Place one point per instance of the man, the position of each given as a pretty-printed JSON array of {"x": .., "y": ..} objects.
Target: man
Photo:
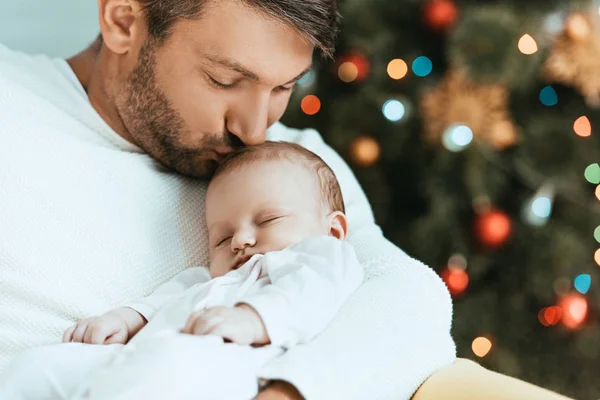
[{"x": 99, "y": 203}]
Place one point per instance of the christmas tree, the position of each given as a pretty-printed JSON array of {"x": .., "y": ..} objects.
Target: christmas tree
[{"x": 474, "y": 129}]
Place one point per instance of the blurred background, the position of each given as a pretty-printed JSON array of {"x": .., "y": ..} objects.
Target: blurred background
[{"x": 474, "y": 128}]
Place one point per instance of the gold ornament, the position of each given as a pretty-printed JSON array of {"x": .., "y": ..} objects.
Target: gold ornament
[
  {"x": 575, "y": 57},
  {"x": 483, "y": 107}
]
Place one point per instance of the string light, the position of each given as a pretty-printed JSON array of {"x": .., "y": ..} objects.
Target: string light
[
  {"x": 481, "y": 346},
  {"x": 308, "y": 79},
  {"x": 550, "y": 316},
  {"x": 582, "y": 126},
  {"x": 527, "y": 45},
  {"x": 592, "y": 174},
  {"x": 548, "y": 96},
  {"x": 456, "y": 279},
  {"x": 562, "y": 286},
  {"x": 310, "y": 104},
  {"x": 575, "y": 308},
  {"x": 538, "y": 209},
  {"x": 422, "y": 66},
  {"x": 365, "y": 151},
  {"x": 582, "y": 283},
  {"x": 348, "y": 71},
  {"x": 397, "y": 69},
  {"x": 394, "y": 110},
  {"x": 457, "y": 137}
]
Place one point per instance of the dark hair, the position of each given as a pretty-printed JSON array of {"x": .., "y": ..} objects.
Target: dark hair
[
  {"x": 318, "y": 20},
  {"x": 328, "y": 184}
]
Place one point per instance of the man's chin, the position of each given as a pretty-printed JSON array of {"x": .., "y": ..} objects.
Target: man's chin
[{"x": 198, "y": 169}]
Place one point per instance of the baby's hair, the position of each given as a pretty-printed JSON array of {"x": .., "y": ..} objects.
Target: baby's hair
[{"x": 331, "y": 192}]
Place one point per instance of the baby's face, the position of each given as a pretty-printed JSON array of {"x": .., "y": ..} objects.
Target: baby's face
[{"x": 264, "y": 206}]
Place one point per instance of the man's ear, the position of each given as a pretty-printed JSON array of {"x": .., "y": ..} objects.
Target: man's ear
[
  {"x": 121, "y": 21},
  {"x": 338, "y": 225}
]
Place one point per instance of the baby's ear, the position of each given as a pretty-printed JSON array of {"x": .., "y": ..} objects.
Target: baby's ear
[{"x": 338, "y": 225}]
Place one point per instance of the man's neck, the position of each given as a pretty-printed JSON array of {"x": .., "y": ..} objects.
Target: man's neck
[{"x": 89, "y": 69}]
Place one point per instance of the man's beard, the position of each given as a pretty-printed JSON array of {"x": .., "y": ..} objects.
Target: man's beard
[{"x": 156, "y": 126}]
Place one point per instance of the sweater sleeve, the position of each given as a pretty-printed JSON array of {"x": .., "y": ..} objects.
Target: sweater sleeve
[
  {"x": 309, "y": 283},
  {"x": 148, "y": 306},
  {"x": 393, "y": 332}
]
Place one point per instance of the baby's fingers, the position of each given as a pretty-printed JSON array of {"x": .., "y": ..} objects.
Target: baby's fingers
[
  {"x": 79, "y": 333},
  {"x": 68, "y": 335}
]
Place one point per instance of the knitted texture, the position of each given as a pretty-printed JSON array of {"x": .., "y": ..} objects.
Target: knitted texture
[{"x": 88, "y": 223}]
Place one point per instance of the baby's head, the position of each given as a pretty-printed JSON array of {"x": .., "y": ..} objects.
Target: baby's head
[{"x": 268, "y": 197}]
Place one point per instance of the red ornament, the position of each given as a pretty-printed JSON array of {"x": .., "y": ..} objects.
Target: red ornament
[
  {"x": 575, "y": 309},
  {"x": 456, "y": 279},
  {"x": 439, "y": 15},
  {"x": 492, "y": 228}
]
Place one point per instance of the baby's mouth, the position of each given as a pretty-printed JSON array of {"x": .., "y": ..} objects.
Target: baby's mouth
[{"x": 242, "y": 261}]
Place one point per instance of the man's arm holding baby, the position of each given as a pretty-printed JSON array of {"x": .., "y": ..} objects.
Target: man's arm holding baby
[
  {"x": 393, "y": 332},
  {"x": 121, "y": 324}
]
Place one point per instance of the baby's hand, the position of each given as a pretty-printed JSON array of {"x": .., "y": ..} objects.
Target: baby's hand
[
  {"x": 115, "y": 326},
  {"x": 240, "y": 324}
]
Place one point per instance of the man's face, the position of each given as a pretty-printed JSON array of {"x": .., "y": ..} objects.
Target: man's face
[{"x": 215, "y": 83}]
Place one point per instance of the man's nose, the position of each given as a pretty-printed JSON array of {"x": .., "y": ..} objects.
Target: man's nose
[
  {"x": 243, "y": 239},
  {"x": 250, "y": 119}
]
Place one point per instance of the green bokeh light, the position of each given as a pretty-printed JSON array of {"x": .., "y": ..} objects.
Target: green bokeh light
[{"x": 592, "y": 174}]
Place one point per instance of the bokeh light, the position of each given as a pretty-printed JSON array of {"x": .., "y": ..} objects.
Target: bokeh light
[
  {"x": 457, "y": 261},
  {"x": 582, "y": 126},
  {"x": 562, "y": 286},
  {"x": 597, "y": 256},
  {"x": 348, "y": 71},
  {"x": 365, "y": 151},
  {"x": 550, "y": 316},
  {"x": 310, "y": 104},
  {"x": 457, "y": 137},
  {"x": 542, "y": 207},
  {"x": 598, "y": 192},
  {"x": 422, "y": 66},
  {"x": 597, "y": 234},
  {"x": 481, "y": 346},
  {"x": 527, "y": 45},
  {"x": 397, "y": 69},
  {"x": 577, "y": 27},
  {"x": 548, "y": 96},
  {"x": 582, "y": 283},
  {"x": 592, "y": 174},
  {"x": 456, "y": 279},
  {"x": 575, "y": 308},
  {"x": 307, "y": 79},
  {"x": 394, "y": 110}
]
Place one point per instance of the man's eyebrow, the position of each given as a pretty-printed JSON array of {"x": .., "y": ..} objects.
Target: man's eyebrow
[
  {"x": 245, "y": 71},
  {"x": 232, "y": 65}
]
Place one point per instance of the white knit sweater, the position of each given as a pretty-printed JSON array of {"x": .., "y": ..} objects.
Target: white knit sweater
[{"x": 88, "y": 222}]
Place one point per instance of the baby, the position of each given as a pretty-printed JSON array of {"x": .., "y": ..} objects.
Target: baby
[{"x": 280, "y": 269}]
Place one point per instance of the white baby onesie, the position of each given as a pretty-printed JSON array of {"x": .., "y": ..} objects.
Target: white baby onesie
[{"x": 296, "y": 291}]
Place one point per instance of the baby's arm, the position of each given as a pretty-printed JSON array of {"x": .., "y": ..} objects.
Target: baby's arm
[
  {"x": 121, "y": 324},
  {"x": 310, "y": 281}
]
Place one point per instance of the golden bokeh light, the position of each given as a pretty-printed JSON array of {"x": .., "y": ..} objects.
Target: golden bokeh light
[
  {"x": 481, "y": 346},
  {"x": 348, "y": 72},
  {"x": 597, "y": 257},
  {"x": 365, "y": 151},
  {"x": 527, "y": 45},
  {"x": 582, "y": 126},
  {"x": 397, "y": 69}
]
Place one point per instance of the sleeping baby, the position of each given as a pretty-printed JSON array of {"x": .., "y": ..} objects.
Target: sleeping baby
[{"x": 279, "y": 271}]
